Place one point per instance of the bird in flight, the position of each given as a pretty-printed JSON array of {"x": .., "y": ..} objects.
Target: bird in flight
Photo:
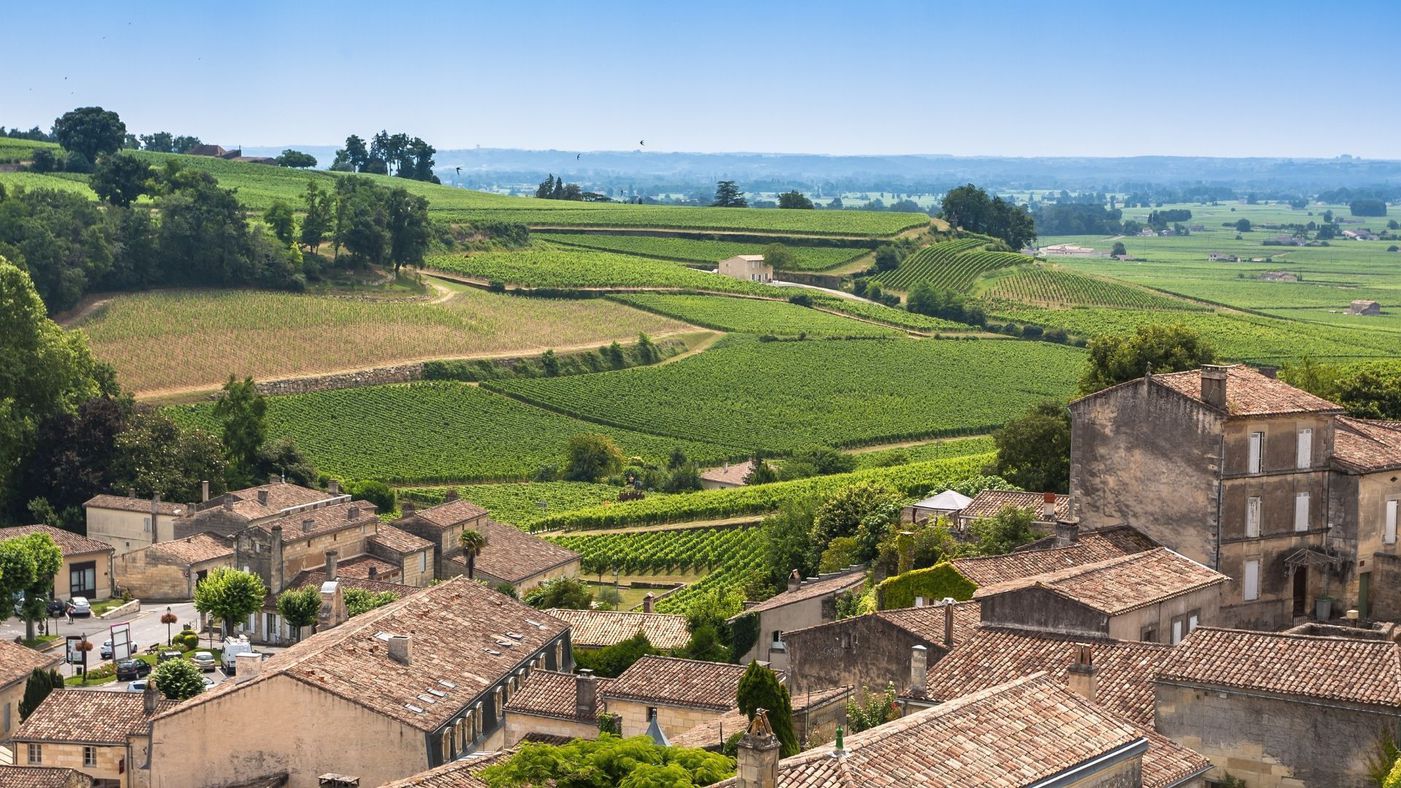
[
  {"x": 642, "y": 143},
  {"x": 577, "y": 155}
]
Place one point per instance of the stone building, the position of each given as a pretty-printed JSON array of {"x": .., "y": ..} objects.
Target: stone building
[
  {"x": 235, "y": 510},
  {"x": 1364, "y": 307},
  {"x": 171, "y": 570},
  {"x": 1154, "y": 596},
  {"x": 816, "y": 715},
  {"x": 1364, "y": 497},
  {"x": 1071, "y": 547},
  {"x": 747, "y": 267},
  {"x": 678, "y": 694},
  {"x": 86, "y": 570},
  {"x": 556, "y": 704},
  {"x": 1279, "y": 709},
  {"x": 128, "y": 523},
  {"x": 388, "y": 694},
  {"x": 805, "y": 603},
  {"x": 104, "y": 735},
  {"x": 515, "y": 558},
  {"x": 1225, "y": 465},
  {"x": 16, "y": 663},
  {"x": 1046, "y": 508},
  {"x": 443, "y": 526},
  {"x": 271, "y": 628}
]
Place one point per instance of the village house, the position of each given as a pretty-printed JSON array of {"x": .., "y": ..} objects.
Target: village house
[
  {"x": 727, "y": 476},
  {"x": 676, "y": 694},
  {"x": 747, "y": 267},
  {"x": 1070, "y": 547},
  {"x": 235, "y": 510},
  {"x": 128, "y": 523},
  {"x": 442, "y": 525},
  {"x": 1364, "y": 307},
  {"x": 388, "y": 694},
  {"x": 805, "y": 603},
  {"x": 16, "y": 664},
  {"x": 170, "y": 570},
  {"x": 104, "y": 735},
  {"x": 946, "y": 504},
  {"x": 273, "y": 629},
  {"x": 1365, "y": 494},
  {"x": 1154, "y": 596},
  {"x": 515, "y": 558},
  {"x": 43, "y": 777},
  {"x": 593, "y": 629},
  {"x": 1224, "y": 465},
  {"x": 558, "y": 705},
  {"x": 87, "y": 563},
  {"x": 1278, "y": 709},
  {"x": 816, "y": 715},
  {"x": 1046, "y": 508}
]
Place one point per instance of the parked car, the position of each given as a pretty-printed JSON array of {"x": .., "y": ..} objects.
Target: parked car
[
  {"x": 132, "y": 669},
  {"x": 106, "y": 650},
  {"x": 167, "y": 654},
  {"x": 80, "y": 606},
  {"x": 204, "y": 661},
  {"x": 56, "y": 608},
  {"x": 137, "y": 686}
]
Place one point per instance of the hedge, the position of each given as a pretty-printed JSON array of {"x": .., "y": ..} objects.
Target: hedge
[{"x": 933, "y": 583}]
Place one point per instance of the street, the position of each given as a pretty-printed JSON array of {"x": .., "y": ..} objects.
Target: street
[{"x": 146, "y": 627}]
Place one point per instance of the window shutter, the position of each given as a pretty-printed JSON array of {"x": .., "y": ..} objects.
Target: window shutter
[
  {"x": 1301, "y": 512},
  {"x": 1305, "y": 452},
  {"x": 1390, "y": 536},
  {"x": 1252, "y": 516},
  {"x": 1252, "y": 580},
  {"x": 1257, "y": 440}
]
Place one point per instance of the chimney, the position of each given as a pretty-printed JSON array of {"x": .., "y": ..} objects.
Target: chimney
[
  {"x": 648, "y": 601},
  {"x": 1214, "y": 385},
  {"x": 400, "y": 649},
  {"x": 155, "y": 518},
  {"x": 758, "y": 754},
  {"x": 919, "y": 666},
  {"x": 352, "y": 513},
  {"x": 1081, "y": 676},
  {"x": 263, "y": 497},
  {"x": 795, "y": 581},
  {"x": 330, "y": 569},
  {"x": 229, "y": 501},
  {"x": 308, "y": 524},
  {"x": 1048, "y": 507},
  {"x": 948, "y": 621},
  {"x": 248, "y": 665},
  {"x": 333, "y": 613},
  {"x": 333, "y": 487},
  {"x": 585, "y": 694},
  {"x": 1067, "y": 531},
  {"x": 204, "y": 491},
  {"x": 150, "y": 699},
  {"x": 406, "y": 508},
  {"x": 374, "y": 572},
  {"x": 450, "y": 496}
]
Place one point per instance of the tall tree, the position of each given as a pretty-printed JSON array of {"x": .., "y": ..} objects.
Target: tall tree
[
  {"x": 281, "y": 221},
  {"x": 156, "y": 456},
  {"x": 296, "y": 159},
  {"x": 40, "y": 683},
  {"x": 317, "y": 218},
  {"x": 970, "y": 208},
  {"x": 759, "y": 688},
  {"x": 1033, "y": 450},
  {"x": 160, "y": 142},
  {"x": 794, "y": 199},
  {"x": 728, "y": 195},
  {"x": 1161, "y": 348},
  {"x": 91, "y": 131},
  {"x": 408, "y": 228},
  {"x": 473, "y": 542},
  {"x": 230, "y": 595},
  {"x": 592, "y": 456},
  {"x": 120, "y": 178},
  {"x": 299, "y": 607},
  {"x": 242, "y": 410}
]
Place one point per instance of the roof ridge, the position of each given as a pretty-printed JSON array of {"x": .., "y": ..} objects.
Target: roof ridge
[{"x": 1301, "y": 636}]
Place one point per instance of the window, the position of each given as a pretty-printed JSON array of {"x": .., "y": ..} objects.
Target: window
[
  {"x": 651, "y": 713},
  {"x": 89, "y": 756},
  {"x": 1252, "y": 516},
  {"x": 1389, "y": 536},
  {"x": 146, "y": 524},
  {"x": 778, "y": 644},
  {"x": 1257, "y": 446},
  {"x": 1149, "y": 634},
  {"x": 1251, "y": 582},
  {"x": 1304, "y": 456},
  {"x": 270, "y": 626},
  {"x": 423, "y": 562},
  {"x": 1193, "y": 618},
  {"x": 82, "y": 579},
  {"x": 36, "y": 754},
  {"x": 1301, "y": 512},
  {"x": 1178, "y": 625}
]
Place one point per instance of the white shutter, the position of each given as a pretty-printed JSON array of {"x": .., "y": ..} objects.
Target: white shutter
[
  {"x": 1191, "y": 622},
  {"x": 1251, "y": 583},
  {"x": 1305, "y": 452},
  {"x": 1301, "y": 512},
  {"x": 1257, "y": 440},
  {"x": 1252, "y": 516},
  {"x": 1176, "y": 631},
  {"x": 1390, "y": 536}
]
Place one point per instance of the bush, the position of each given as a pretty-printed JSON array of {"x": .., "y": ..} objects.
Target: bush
[
  {"x": 187, "y": 639},
  {"x": 178, "y": 679},
  {"x": 940, "y": 581},
  {"x": 377, "y": 493},
  {"x": 77, "y": 162},
  {"x": 803, "y": 299}
]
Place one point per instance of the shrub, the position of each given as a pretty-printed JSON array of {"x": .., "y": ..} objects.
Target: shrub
[{"x": 178, "y": 679}]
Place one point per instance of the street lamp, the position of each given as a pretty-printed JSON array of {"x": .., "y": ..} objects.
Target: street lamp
[{"x": 168, "y": 618}]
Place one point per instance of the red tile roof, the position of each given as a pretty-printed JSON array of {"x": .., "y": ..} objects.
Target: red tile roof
[
  {"x": 447, "y": 515},
  {"x": 729, "y": 474},
  {"x": 195, "y": 549},
  {"x": 461, "y": 773},
  {"x": 42, "y": 777},
  {"x": 812, "y": 589},
  {"x": 990, "y": 503},
  {"x": 546, "y": 693},
  {"x": 124, "y": 503},
  {"x": 79, "y": 716},
  {"x": 68, "y": 542},
  {"x": 1168, "y": 764},
  {"x": 669, "y": 681},
  {"x": 1092, "y": 546},
  {"x": 1367, "y": 445},
  {"x": 17, "y": 662},
  {"x": 599, "y": 628},
  {"x": 359, "y": 567},
  {"x": 280, "y": 496},
  {"x": 1249, "y": 393},
  {"x": 1329, "y": 668},
  {"x": 323, "y": 519},
  {"x": 399, "y": 540},
  {"x": 1119, "y": 585},
  {"x": 513, "y": 555},
  {"x": 928, "y": 622}
]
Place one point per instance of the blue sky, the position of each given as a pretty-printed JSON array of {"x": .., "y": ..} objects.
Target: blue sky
[{"x": 1073, "y": 78}]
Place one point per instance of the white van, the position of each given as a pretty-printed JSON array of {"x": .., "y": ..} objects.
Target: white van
[{"x": 232, "y": 648}]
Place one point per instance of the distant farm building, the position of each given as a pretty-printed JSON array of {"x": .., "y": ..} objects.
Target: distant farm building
[
  {"x": 1279, "y": 276},
  {"x": 1222, "y": 257},
  {"x": 727, "y": 476},
  {"x": 1362, "y": 307},
  {"x": 748, "y": 267},
  {"x": 1067, "y": 250}
]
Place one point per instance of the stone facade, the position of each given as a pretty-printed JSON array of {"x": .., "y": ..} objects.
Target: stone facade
[
  {"x": 155, "y": 575},
  {"x": 865, "y": 652},
  {"x": 1040, "y": 609},
  {"x": 673, "y": 720},
  {"x": 518, "y": 724},
  {"x": 108, "y": 764},
  {"x": 128, "y": 530}
]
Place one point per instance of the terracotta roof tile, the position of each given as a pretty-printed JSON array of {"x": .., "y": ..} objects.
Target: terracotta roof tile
[
  {"x": 1367, "y": 445},
  {"x": 513, "y": 555},
  {"x": 67, "y": 541},
  {"x": 126, "y": 504},
  {"x": 990, "y": 503},
  {"x": 194, "y": 549},
  {"x": 669, "y": 681},
  {"x": 599, "y": 628},
  {"x": 1341, "y": 669},
  {"x": 1249, "y": 393},
  {"x": 928, "y": 622},
  {"x": 280, "y": 497},
  {"x": 17, "y": 662},
  {"x": 1167, "y": 763},
  {"x": 812, "y": 589},
  {"x": 399, "y": 540},
  {"x": 547, "y": 693},
  {"x": 1119, "y": 585},
  {"x": 88, "y": 717},
  {"x": 1092, "y": 547},
  {"x": 459, "y": 633},
  {"x": 448, "y": 514},
  {"x": 461, "y": 773},
  {"x": 359, "y": 568},
  {"x": 729, "y": 474},
  {"x": 323, "y": 519},
  {"x": 42, "y": 777}
]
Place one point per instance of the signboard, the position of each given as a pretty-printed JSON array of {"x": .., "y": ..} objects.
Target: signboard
[
  {"x": 73, "y": 654},
  {"x": 121, "y": 642}
]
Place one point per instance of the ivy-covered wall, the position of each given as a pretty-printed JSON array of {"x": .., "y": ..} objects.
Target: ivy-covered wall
[{"x": 933, "y": 583}]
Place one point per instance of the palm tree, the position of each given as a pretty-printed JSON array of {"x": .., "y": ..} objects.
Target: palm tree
[{"x": 473, "y": 542}]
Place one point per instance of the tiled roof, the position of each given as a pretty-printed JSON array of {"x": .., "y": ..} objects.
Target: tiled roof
[
  {"x": 399, "y": 540},
  {"x": 359, "y": 567},
  {"x": 1105, "y": 542},
  {"x": 546, "y": 693},
  {"x": 1249, "y": 393},
  {"x": 461, "y": 773},
  {"x": 1340, "y": 669},
  {"x": 1367, "y": 445},
  {"x": 323, "y": 519},
  {"x": 729, "y": 474},
  {"x": 17, "y": 662},
  {"x": 68, "y": 542},
  {"x": 1092, "y": 547},
  {"x": 812, "y": 589},
  {"x": 126, "y": 504},
  {"x": 598, "y": 628},
  {"x": 669, "y": 681},
  {"x": 459, "y": 630},
  {"x": 1168, "y": 764},
  {"x": 513, "y": 555},
  {"x": 928, "y": 622},
  {"x": 992, "y": 655},
  {"x": 280, "y": 496},
  {"x": 1005, "y": 736},
  {"x": 449, "y": 514},
  {"x": 712, "y": 733},
  {"x": 88, "y": 717},
  {"x": 1119, "y": 585},
  {"x": 42, "y": 777},
  {"x": 194, "y": 549},
  {"x": 990, "y": 503}
]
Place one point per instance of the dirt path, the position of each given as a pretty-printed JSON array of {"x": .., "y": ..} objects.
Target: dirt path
[{"x": 83, "y": 310}]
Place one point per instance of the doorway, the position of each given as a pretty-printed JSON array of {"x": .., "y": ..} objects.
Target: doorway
[{"x": 1301, "y": 591}]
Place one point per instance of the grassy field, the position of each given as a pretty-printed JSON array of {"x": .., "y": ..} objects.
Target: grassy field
[
  {"x": 750, "y": 316},
  {"x": 784, "y": 395},
  {"x": 709, "y": 252},
  {"x": 165, "y": 340},
  {"x": 431, "y": 432}
]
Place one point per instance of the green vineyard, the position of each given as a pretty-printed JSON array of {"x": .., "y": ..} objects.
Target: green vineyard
[
  {"x": 752, "y": 316},
  {"x": 677, "y": 552},
  {"x": 699, "y": 251},
  {"x": 1057, "y": 288},
  {"x": 951, "y": 265}
]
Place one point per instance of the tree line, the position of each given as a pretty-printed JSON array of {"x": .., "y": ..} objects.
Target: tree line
[
  {"x": 396, "y": 154},
  {"x": 970, "y": 208}
]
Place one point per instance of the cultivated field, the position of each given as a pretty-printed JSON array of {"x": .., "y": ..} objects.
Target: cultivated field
[
  {"x": 750, "y": 316},
  {"x": 706, "y": 252}
]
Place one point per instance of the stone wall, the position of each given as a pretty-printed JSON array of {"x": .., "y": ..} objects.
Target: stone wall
[
  {"x": 1044, "y": 610},
  {"x": 154, "y": 575},
  {"x": 862, "y": 652},
  {"x": 674, "y": 720},
  {"x": 108, "y": 766},
  {"x": 518, "y": 725},
  {"x": 376, "y": 376}
]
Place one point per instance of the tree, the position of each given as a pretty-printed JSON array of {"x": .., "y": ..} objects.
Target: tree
[
  {"x": 840, "y": 553},
  {"x": 299, "y": 607},
  {"x": 296, "y": 159},
  {"x": 27, "y": 566},
  {"x": 888, "y": 258},
  {"x": 870, "y": 709},
  {"x": 864, "y": 510},
  {"x": 611, "y": 661},
  {"x": 788, "y": 541},
  {"x": 794, "y": 199},
  {"x": 359, "y": 600},
  {"x": 178, "y": 679},
  {"x": 759, "y": 688},
  {"x": 1163, "y": 348},
  {"x": 281, "y": 221},
  {"x": 1372, "y": 391},
  {"x": 705, "y": 645},
  {"x": 565, "y": 592},
  {"x": 317, "y": 219},
  {"x": 230, "y": 595},
  {"x": 41, "y": 682},
  {"x": 728, "y": 195},
  {"x": 282, "y": 457},
  {"x": 1033, "y": 450},
  {"x": 120, "y": 178},
  {"x": 160, "y": 142},
  {"x": 353, "y": 157},
  {"x": 970, "y": 208},
  {"x": 592, "y": 456},
  {"x": 1119, "y": 249},
  {"x": 155, "y": 456},
  {"x": 91, "y": 131},
  {"x": 781, "y": 257},
  {"x": 408, "y": 228},
  {"x": 241, "y": 410},
  {"x": 1003, "y": 532},
  {"x": 473, "y": 542},
  {"x": 1243, "y": 226},
  {"x": 637, "y": 762}
]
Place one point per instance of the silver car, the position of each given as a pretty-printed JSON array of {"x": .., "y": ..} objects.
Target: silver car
[{"x": 204, "y": 661}]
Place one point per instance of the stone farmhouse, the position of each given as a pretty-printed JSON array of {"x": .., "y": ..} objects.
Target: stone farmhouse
[
  {"x": 747, "y": 267},
  {"x": 128, "y": 523},
  {"x": 105, "y": 735},
  {"x": 1363, "y": 307},
  {"x": 86, "y": 570},
  {"x": 805, "y": 603},
  {"x": 555, "y": 706}
]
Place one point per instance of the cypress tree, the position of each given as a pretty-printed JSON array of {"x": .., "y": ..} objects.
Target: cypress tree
[
  {"x": 759, "y": 689},
  {"x": 41, "y": 682}
]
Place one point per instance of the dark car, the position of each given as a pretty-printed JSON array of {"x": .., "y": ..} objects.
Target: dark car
[
  {"x": 56, "y": 608},
  {"x": 132, "y": 669},
  {"x": 167, "y": 654}
]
